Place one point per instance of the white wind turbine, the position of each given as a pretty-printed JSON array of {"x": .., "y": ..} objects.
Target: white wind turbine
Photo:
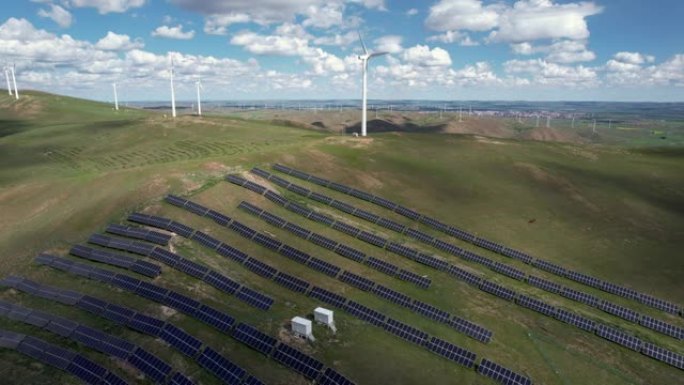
[
  {"x": 9, "y": 86},
  {"x": 173, "y": 91},
  {"x": 14, "y": 80},
  {"x": 364, "y": 93},
  {"x": 116, "y": 97},
  {"x": 198, "y": 84}
]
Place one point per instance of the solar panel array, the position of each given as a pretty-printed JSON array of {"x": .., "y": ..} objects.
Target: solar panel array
[
  {"x": 139, "y": 233},
  {"x": 60, "y": 358},
  {"x": 213, "y": 278},
  {"x": 499, "y": 373},
  {"x": 352, "y": 279},
  {"x": 492, "y": 246},
  {"x": 141, "y": 267}
]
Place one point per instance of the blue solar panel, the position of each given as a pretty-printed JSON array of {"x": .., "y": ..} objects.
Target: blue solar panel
[
  {"x": 357, "y": 281},
  {"x": 576, "y": 320},
  {"x": 215, "y": 318},
  {"x": 382, "y": 266},
  {"x": 276, "y": 198},
  {"x": 498, "y": 290},
  {"x": 146, "y": 324},
  {"x": 191, "y": 268},
  {"x": 659, "y": 304},
  {"x": 255, "y": 339},
  {"x": 292, "y": 283},
  {"x": 452, "y": 352},
  {"x": 619, "y": 290},
  {"x": 178, "y": 338},
  {"x": 281, "y": 168},
  {"x": 297, "y": 230},
  {"x": 327, "y": 297},
  {"x": 579, "y": 296},
  {"x": 254, "y": 298},
  {"x": 409, "y": 333},
  {"x": 181, "y": 229},
  {"x": 432, "y": 261},
  {"x": 179, "y": 379},
  {"x": 260, "y": 268},
  {"x": 384, "y": 203},
  {"x": 506, "y": 376},
  {"x": 219, "y": 218},
  {"x": 372, "y": 239},
  {"x": 241, "y": 229},
  {"x": 165, "y": 256},
  {"x": 361, "y": 195},
  {"x": 86, "y": 370},
  {"x": 206, "y": 240},
  {"x": 273, "y": 219},
  {"x": 267, "y": 242},
  {"x": 550, "y": 267},
  {"x": 323, "y": 241},
  {"x": 92, "y": 305},
  {"x": 236, "y": 180},
  {"x": 430, "y": 311},
  {"x": 279, "y": 181},
  {"x": 365, "y": 313},
  {"x": 324, "y": 219},
  {"x": 323, "y": 266},
  {"x": 619, "y": 337},
  {"x": 250, "y": 208},
  {"x": 320, "y": 198},
  {"x": 150, "y": 364},
  {"x": 471, "y": 329},
  {"x": 196, "y": 208},
  {"x": 508, "y": 271},
  {"x": 351, "y": 253},
  {"x": 663, "y": 355},
  {"x": 543, "y": 284},
  {"x": 221, "y": 282},
  {"x": 331, "y": 377},
  {"x": 300, "y": 362},
  {"x": 220, "y": 366},
  {"x": 536, "y": 305},
  {"x": 585, "y": 279},
  {"x": 232, "y": 253},
  {"x": 366, "y": 215},
  {"x": 662, "y": 327},
  {"x": 389, "y": 224},
  {"x": 294, "y": 254},
  {"x": 298, "y": 189},
  {"x": 414, "y": 278},
  {"x": 112, "y": 379},
  {"x": 345, "y": 228},
  {"x": 298, "y": 209},
  {"x": 126, "y": 282},
  {"x": 619, "y": 311},
  {"x": 401, "y": 210},
  {"x": 421, "y": 236},
  {"x": 118, "y": 314},
  {"x": 392, "y": 296},
  {"x": 145, "y": 268},
  {"x": 181, "y": 302},
  {"x": 260, "y": 172},
  {"x": 401, "y": 250}
]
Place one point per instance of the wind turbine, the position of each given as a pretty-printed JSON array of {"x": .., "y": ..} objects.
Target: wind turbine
[
  {"x": 116, "y": 97},
  {"x": 364, "y": 93},
  {"x": 14, "y": 79},
  {"x": 173, "y": 91},
  {"x": 9, "y": 86},
  {"x": 198, "y": 84}
]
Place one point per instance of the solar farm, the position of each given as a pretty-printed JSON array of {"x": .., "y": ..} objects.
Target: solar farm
[{"x": 195, "y": 281}]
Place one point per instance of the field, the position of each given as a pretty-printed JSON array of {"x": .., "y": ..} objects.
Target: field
[{"x": 70, "y": 167}]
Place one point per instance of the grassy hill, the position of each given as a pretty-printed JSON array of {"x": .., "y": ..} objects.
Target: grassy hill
[{"x": 69, "y": 167}]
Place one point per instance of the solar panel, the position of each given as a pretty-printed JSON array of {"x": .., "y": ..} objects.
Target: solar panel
[
  {"x": 619, "y": 290},
  {"x": 86, "y": 370},
  {"x": 221, "y": 282},
  {"x": 255, "y": 339},
  {"x": 323, "y": 266},
  {"x": 619, "y": 337},
  {"x": 215, "y": 318},
  {"x": 292, "y": 283},
  {"x": 460, "y": 234},
  {"x": 196, "y": 208},
  {"x": 102, "y": 342},
  {"x": 382, "y": 266},
  {"x": 147, "y": 269},
  {"x": 489, "y": 245},
  {"x": 179, "y": 379},
  {"x": 430, "y": 311},
  {"x": 401, "y": 250},
  {"x": 585, "y": 279},
  {"x": 506, "y": 376},
  {"x": 294, "y": 254},
  {"x": 360, "y": 194},
  {"x": 339, "y": 187},
  {"x": 191, "y": 268},
  {"x": 236, "y": 180},
  {"x": 357, "y": 281},
  {"x": 206, "y": 240},
  {"x": 324, "y": 219},
  {"x": 414, "y": 278},
  {"x": 389, "y": 224},
  {"x": 345, "y": 228},
  {"x": 241, "y": 229},
  {"x": 232, "y": 253},
  {"x": 62, "y": 326},
  {"x": 435, "y": 224},
  {"x": 150, "y": 364},
  {"x": 299, "y": 174},
  {"x": 550, "y": 267},
  {"x": 431, "y": 261},
  {"x": 281, "y": 168},
  {"x": 470, "y": 329},
  {"x": 267, "y": 242},
  {"x": 331, "y": 377},
  {"x": 519, "y": 255},
  {"x": 279, "y": 181},
  {"x": 365, "y": 215},
  {"x": 401, "y": 210},
  {"x": 448, "y": 247},
  {"x": 421, "y": 236},
  {"x": 452, "y": 352},
  {"x": 273, "y": 219},
  {"x": 619, "y": 311},
  {"x": 38, "y": 318},
  {"x": 257, "y": 188},
  {"x": 472, "y": 257},
  {"x": 221, "y": 367},
  {"x": 323, "y": 241},
  {"x": 327, "y": 297},
  {"x": 150, "y": 291},
  {"x": 392, "y": 296},
  {"x": 146, "y": 324},
  {"x": 181, "y": 302},
  {"x": 10, "y": 340},
  {"x": 254, "y": 298},
  {"x": 260, "y": 268},
  {"x": 409, "y": 333},
  {"x": 308, "y": 366},
  {"x": 497, "y": 290},
  {"x": 250, "y": 208},
  {"x": 218, "y": 217},
  {"x": 663, "y": 355},
  {"x": 126, "y": 282},
  {"x": 576, "y": 320},
  {"x": 297, "y": 230},
  {"x": 276, "y": 198},
  {"x": 372, "y": 239},
  {"x": 298, "y": 189},
  {"x": 659, "y": 304},
  {"x": 543, "y": 284},
  {"x": 536, "y": 305},
  {"x": 344, "y": 207},
  {"x": 91, "y": 304},
  {"x": 178, "y": 338},
  {"x": 662, "y": 327},
  {"x": 508, "y": 271},
  {"x": 349, "y": 252},
  {"x": 165, "y": 256},
  {"x": 118, "y": 314},
  {"x": 298, "y": 209},
  {"x": 260, "y": 172},
  {"x": 365, "y": 313},
  {"x": 579, "y": 296},
  {"x": 318, "y": 181},
  {"x": 320, "y": 198}
]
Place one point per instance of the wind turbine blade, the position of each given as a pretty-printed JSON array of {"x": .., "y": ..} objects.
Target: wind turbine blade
[
  {"x": 365, "y": 50},
  {"x": 374, "y": 54}
]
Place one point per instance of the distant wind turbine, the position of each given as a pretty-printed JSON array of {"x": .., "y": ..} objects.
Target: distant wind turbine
[
  {"x": 9, "y": 86},
  {"x": 116, "y": 97},
  {"x": 14, "y": 80},
  {"x": 198, "y": 84},
  {"x": 173, "y": 91},
  {"x": 364, "y": 93}
]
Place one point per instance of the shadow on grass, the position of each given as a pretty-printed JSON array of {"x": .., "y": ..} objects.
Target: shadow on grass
[
  {"x": 379, "y": 125},
  {"x": 10, "y": 127}
]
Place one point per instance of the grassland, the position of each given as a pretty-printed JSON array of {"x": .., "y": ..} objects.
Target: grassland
[{"x": 69, "y": 167}]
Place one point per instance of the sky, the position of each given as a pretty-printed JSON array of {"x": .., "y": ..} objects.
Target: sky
[{"x": 537, "y": 50}]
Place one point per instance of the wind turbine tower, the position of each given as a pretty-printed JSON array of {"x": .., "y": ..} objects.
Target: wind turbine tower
[
  {"x": 198, "y": 84},
  {"x": 9, "y": 86},
  {"x": 116, "y": 97},
  {"x": 14, "y": 80},
  {"x": 364, "y": 92},
  {"x": 173, "y": 91},
  {"x": 548, "y": 121}
]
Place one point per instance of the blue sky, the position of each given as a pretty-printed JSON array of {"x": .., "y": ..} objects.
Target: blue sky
[{"x": 296, "y": 49}]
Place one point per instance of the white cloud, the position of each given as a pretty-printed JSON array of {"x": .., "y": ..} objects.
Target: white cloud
[
  {"x": 107, "y": 6},
  {"x": 543, "y": 72},
  {"x": 450, "y": 37},
  {"x": 562, "y": 51},
  {"x": 58, "y": 14},
  {"x": 324, "y": 16},
  {"x": 218, "y": 24},
  {"x": 453, "y": 15},
  {"x": 340, "y": 40},
  {"x": 389, "y": 43},
  {"x": 422, "y": 55},
  {"x": 633, "y": 58},
  {"x": 116, "y": 42},
  {"x": 270, "y": 44},
  {"x": 412, "y": 12},
  {"x": 173, "y": 32}
]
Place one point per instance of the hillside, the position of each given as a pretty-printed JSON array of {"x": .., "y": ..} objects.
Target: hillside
[{"x": 71, "y": 167}]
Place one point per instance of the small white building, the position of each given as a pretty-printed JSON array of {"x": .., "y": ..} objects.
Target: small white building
[
  {"x": 302, "y": 327},
  {"x": 325, "y": 317}
]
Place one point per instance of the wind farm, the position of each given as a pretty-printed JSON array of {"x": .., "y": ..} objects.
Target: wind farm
[{"x": 263, "y": 193}]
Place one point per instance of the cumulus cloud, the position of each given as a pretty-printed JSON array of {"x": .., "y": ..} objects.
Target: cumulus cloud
[
  {"x": 452, "y": 15},
  {"x": 449, "y": 37},
  {"x": 412, "y": 12},
  {"x": 59, "y": 15},
  {"x": 634, "y": 58},
  {"x": 563, "y": 51},
  {"x": 116, "y": 42},
  {"x": 218, "y": 24},
  {"x": 173, "y": 32},
  {"x": 389, "y": 44},
  {"x": 546, "y": 73},
  {"x": 422, "y": 55},
  {"x": 340, "y": 40},
  {"x": 107, "y": 6}
]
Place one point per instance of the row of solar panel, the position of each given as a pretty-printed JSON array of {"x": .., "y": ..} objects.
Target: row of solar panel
[
  {"x": 218, "y": 280},
  {"x": 139, "y": 233},
  {"x": 64, "y": 359},
  {"x": 141, "y": 267},
  {"x": 293, "y": 283},
  {"x": 148, "y": 364},
  {"x": 166, "y": 331},
  {"x": 608, "y": 287},
  {"x": 608, "y": 307}
]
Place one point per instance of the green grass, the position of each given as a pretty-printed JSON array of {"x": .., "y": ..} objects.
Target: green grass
[{"x": 69, "y": 167}]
